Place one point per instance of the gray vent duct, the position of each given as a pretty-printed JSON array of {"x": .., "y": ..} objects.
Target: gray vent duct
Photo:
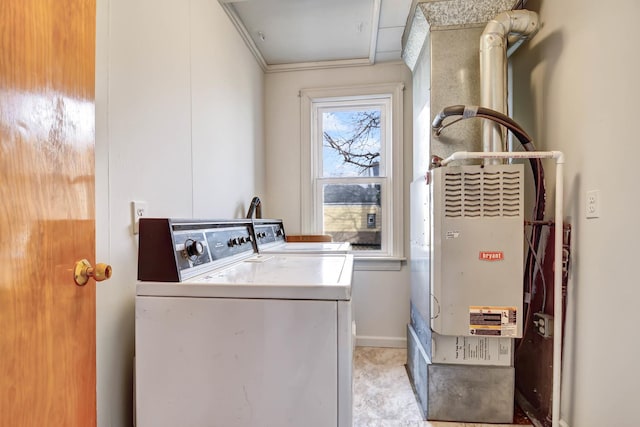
[{"x": 507, "y": 30}]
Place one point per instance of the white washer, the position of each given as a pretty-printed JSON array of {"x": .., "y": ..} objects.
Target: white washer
[
  {"x": 235, "y": 339},
  {"x": 270, "y": 238}
]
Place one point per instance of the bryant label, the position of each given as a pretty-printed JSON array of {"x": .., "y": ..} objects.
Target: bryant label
[
  {"x": 491, "y": 255},
  {"x": 493, "y": 321}
]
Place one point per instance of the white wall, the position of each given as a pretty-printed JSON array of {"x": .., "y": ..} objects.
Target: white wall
[
  {"x": 576, "y": 89},
  {"x": 179, "y": 124},
  {"x": 380, "y": 298}
]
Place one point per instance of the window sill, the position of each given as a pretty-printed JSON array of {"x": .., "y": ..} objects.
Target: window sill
[{"x": 378, "y": 263}]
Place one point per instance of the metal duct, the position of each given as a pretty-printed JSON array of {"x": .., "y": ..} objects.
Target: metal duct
[{"x": 507, "y": 29}]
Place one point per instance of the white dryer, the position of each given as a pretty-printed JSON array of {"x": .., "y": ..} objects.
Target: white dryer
[
  {"x": 271, "y": 238},
  {"x": 231, "y": 338}
]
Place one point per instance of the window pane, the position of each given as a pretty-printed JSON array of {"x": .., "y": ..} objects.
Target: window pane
[
  {"x": 352, "y": 213},
  {"x": 351, "y": 142}
]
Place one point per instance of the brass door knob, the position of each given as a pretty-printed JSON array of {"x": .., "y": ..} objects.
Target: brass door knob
[{"x": 83, "y": 271}]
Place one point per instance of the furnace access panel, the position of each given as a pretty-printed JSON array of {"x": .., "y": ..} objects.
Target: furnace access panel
[{"x": 477, "y": 250}]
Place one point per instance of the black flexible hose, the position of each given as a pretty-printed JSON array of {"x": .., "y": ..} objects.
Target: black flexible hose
[{"x": 506, "y": 121}]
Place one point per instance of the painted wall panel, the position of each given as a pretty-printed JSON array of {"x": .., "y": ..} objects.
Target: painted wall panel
[
  {"x": 175, "y": 89},
  {"x": 575, "y": 89},
  {"x": 227, "y": 119},
  {"x": 380, "y": 299}
]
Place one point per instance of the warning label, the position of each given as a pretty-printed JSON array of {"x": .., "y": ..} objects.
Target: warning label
[
  {"x": 452, "y": 234},
  {"x": 493, "y": 321}
]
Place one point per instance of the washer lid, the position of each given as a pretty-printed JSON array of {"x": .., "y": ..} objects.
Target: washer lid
[
  {"x": 309, "y": 247},
  {"x": 277, "y": 276}
]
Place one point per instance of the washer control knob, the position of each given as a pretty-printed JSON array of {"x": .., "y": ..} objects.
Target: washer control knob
[{"x": 194, "y": 248}]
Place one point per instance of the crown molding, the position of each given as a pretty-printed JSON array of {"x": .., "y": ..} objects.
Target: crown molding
[
  {"x": 227, "y": 6},
  {"x": 235, "y": 19}
]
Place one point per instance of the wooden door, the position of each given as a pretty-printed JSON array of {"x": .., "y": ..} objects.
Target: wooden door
[{"x": 47, "y": 132}]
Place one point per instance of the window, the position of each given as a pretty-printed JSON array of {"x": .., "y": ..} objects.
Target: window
[{"x": 351, "y": 167}]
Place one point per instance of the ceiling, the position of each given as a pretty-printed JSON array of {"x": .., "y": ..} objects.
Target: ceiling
[{"x": 301, "y": 34}]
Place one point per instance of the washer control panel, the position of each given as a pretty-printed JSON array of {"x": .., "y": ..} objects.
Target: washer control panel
[
  {"x": 174, "y": 250},
  {"x": 197, "y": 248}
]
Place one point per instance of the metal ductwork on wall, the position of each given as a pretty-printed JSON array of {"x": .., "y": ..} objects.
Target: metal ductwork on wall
[
  {"x": 460, "y": 378},
  {"x": 501, "y": 36}
]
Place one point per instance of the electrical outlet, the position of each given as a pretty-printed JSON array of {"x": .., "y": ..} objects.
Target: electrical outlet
[
  {"x": 138, "y": 210},
  {"x": 592, "y": 206},
  {"x": 544, "y": 324}
]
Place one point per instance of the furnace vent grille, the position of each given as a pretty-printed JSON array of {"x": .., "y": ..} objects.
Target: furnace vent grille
[{"x": 482, "y": 194}]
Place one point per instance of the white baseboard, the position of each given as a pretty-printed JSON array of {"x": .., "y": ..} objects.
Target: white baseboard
[{"x": 373, "y": 341}]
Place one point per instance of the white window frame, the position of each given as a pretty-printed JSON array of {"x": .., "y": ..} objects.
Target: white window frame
[{"x": 392, "y": 190}]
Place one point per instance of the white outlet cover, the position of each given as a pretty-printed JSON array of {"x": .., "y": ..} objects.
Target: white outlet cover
[
  {"x": 592, "y": 204},
  {"x": 138, "y": 210}
]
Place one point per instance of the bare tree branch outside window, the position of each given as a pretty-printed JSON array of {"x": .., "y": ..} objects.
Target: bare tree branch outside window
[{"x": 359, "y": 143}]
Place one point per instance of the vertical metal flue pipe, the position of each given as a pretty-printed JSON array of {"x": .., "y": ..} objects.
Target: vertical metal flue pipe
[{"x": 507, "y": 27}]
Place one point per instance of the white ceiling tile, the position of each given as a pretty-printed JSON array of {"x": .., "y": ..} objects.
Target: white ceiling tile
[
  {"x": 295, "y": 31},
  {"x": 389, "y": 39},
  {"x": 394, "y": 13}
]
